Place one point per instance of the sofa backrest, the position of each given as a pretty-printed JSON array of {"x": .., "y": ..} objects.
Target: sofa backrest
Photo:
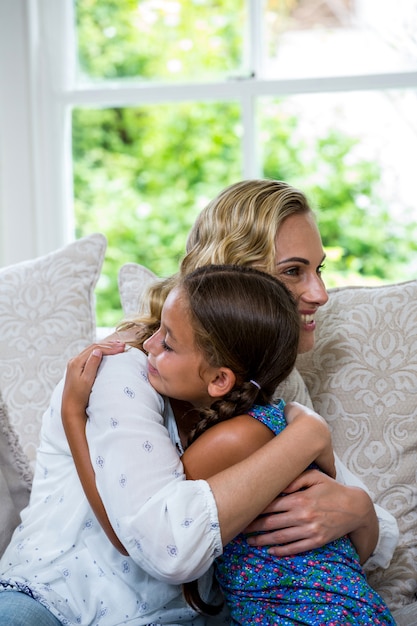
[{"x": 362, "y": 378}]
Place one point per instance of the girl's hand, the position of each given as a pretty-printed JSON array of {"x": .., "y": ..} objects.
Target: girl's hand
[
  {"x": 325, "y": 460},
  {"x": 81, "y": 374}
]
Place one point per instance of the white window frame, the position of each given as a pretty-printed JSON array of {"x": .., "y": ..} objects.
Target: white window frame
[{"x": 38, "y": 91}]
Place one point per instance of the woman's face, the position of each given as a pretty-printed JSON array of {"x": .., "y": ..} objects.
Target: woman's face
[{"x": 299, "y": 262}]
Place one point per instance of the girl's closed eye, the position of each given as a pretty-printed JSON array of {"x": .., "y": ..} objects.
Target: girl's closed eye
[{"x": 165, "y": 346}]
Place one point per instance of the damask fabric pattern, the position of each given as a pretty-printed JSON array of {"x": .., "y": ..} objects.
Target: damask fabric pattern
[
  {"x": 133, "y": 280},
  {"x": 362, "y": 377},
  {"x": 47, "y": 315},
  {"x": 15, "y": 478}
]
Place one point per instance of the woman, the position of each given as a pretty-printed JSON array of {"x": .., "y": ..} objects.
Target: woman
[
  {"x": 59, "y": 567},
  {"x": 269, "y": 224},
  {"x": 256, "y": 214}
]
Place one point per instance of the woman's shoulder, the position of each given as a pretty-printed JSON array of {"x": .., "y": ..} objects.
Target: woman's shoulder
[{"x": 293, "y": 388}]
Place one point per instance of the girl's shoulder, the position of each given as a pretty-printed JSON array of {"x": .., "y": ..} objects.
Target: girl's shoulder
[
  {"x": 225, "y": 444},
  {"x": 271, "y": 415}
]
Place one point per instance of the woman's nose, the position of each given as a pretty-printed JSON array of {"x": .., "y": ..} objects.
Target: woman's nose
[{"x": 316, "y": 292}]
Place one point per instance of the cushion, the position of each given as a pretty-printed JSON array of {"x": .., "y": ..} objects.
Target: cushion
[
  {"x": 47, "y": 315},
  {"x": 362, "y": 377},
  {"x": 15, "y": 478},
  {"x": 133, "y": 281}
]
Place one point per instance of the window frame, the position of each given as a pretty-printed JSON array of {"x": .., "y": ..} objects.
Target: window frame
[{"x": 37, "y": 72}]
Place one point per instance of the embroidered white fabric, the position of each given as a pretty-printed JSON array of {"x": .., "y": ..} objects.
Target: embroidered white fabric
[{"x": 169, "y": 525}]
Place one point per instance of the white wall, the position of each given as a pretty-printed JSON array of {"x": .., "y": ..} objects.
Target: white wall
[{"x": 35, "y": 190}]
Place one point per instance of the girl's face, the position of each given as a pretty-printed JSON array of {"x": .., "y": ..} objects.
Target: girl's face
[
  {"x": 176, "y": 367},
  {"x": 299, "y": 262}
]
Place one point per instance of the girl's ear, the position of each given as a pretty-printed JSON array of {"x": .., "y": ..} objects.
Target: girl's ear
[{"x": 222, "y": 383}]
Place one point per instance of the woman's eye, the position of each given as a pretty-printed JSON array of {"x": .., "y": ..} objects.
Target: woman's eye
[
  {"x": 321, "y": 268},
  {"x": 292, "y": 271}
]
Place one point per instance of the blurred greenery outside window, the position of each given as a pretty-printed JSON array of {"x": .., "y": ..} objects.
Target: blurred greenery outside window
[{"x": 212, "y": 91}]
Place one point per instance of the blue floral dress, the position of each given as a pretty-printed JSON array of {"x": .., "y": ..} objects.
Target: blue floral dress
[{"x": 326, "y": 586}]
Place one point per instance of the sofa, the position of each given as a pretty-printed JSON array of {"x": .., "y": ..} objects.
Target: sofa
[{"x": 362, "y": 377}]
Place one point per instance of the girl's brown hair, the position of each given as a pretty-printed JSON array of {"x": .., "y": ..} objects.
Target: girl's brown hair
[{"x": 246, "y": 320}]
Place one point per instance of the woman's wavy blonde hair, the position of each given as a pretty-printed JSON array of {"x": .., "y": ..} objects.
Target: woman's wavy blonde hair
[{"x": 238, "y": 227}]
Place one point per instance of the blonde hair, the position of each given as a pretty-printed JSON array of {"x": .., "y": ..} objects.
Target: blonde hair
[{"x": 238, "y": 227}]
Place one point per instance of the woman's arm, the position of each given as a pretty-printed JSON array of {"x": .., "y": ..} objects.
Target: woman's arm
[
  {"x": 317, "y": 510},
  {"x": 133, "y": 462},
  {"x": 233, "y": 441},
  {"x": 322, "y": 511},
  {"x": 74, "y": 419},
  {"x": 325, "y": 509}
]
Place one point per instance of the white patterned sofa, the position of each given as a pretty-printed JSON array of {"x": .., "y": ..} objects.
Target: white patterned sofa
[{"x": 362, "y": 377}]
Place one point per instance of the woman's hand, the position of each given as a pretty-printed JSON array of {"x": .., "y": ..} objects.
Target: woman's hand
[{"x": 316, "y": 510}]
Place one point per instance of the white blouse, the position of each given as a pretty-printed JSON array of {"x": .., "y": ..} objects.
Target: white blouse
[{"x": 169, "y": 526}]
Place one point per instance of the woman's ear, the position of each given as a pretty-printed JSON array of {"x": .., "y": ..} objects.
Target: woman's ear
[{"x": 222, "y": 383}]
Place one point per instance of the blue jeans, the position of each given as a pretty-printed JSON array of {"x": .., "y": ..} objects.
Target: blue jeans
[{"x": 19, "y": 609}]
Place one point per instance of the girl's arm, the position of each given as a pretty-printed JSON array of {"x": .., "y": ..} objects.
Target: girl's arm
[
  {"x": 234, "y": 440},
  {"x": 230, "y": 442}
]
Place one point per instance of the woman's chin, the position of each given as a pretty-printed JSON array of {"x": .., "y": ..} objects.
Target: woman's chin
[{"x": 306, "y": 343}]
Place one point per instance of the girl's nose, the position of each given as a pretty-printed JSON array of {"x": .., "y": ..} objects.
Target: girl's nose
[{"x": 150, "y": 343}]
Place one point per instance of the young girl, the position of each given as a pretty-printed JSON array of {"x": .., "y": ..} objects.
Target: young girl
[{"x": 227, "y": 337}]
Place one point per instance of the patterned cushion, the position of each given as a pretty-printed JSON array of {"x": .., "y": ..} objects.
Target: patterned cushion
[
  {"x": 133, "y": 281},
  {"x": 362, "y": 377},
  {"x": 47, "y": 315},
  {"x": 15, "y": 478}
]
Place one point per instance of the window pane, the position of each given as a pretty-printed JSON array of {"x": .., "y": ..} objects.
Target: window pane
[
  {"x": 307, "y": 38},
  {"x": 141, "y": 175},
  {"x": 350, "y": 152},
  {"x": 171, "y": 40}
]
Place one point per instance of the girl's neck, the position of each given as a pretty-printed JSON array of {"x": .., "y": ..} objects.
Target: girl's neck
[{"x": 186, "y": 417}]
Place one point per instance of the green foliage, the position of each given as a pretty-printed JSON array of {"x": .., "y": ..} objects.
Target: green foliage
[
  {"x": 363, "y": 243},
  {"x": 142, "y": 174},
  {"x": 167, "y": 40}
]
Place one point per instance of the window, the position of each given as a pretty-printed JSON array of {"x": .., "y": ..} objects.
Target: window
[{"x": 127, "y": 117}]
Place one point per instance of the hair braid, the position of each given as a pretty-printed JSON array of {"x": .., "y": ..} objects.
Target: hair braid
[{"x": 237, "y": 402}]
